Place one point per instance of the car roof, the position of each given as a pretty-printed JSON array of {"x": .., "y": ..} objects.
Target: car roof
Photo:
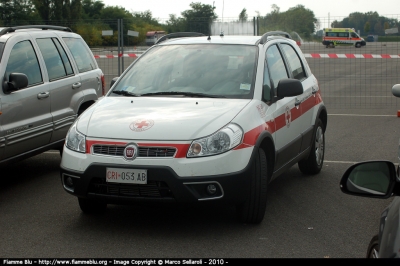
[{"x": 214, "y": 39}]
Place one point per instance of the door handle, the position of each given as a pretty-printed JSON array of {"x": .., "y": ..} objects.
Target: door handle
[
  {"x": 43, "y": 95},
  {"x": 76, "y": 85},
  {"x": 314, "y": 90}
]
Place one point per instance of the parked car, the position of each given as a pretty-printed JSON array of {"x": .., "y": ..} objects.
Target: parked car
[
  {"x": 370, "y": 38},
  {"x": 50, "y": 77},
  {"x": 379, "y": 179},
  {"x": 199, "y": 119}
]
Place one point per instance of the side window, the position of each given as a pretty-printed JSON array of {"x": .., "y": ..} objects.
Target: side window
[
  {"x": 266, "y": 84},
  {"x": 353, "y": 35},
  {"x": 276, "y": 65},
  {"x": 294, "y": 62},
  {"x": 82, "y": 55},
  {"x": 23, "y": 59},
  {"x": 57, "y": 63}
]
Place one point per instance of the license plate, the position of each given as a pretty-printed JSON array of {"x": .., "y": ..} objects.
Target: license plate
[{"x": 128, "y": 176}]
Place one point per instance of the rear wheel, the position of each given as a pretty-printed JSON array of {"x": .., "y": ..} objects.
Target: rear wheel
[
  {"x": 313, "y": 164},
  {"x": 373, "y": 248},
  {"x": 253, "y": 209},
  {"x": 90, "y": 206}
]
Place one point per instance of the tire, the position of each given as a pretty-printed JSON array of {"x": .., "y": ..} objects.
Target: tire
[
  {"x": 91, "y": 207},
  {"x": 253, "y": 209},
  {"x": 373, "y": 248},
  {"x": 358, "y": 45},
  {"x": 313, "y": 164}
]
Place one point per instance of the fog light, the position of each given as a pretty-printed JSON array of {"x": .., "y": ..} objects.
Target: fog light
[
  {"x": 69, "y": 182},
  {"x": 211, "y": 189}
]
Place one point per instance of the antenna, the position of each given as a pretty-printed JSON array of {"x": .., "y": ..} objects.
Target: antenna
[
  {"x": 209, "y": 31},
  {"x": 222, "y": 22}
]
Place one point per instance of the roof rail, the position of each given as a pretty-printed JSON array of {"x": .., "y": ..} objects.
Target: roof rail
[
  {"x": 274, "y": 33},
  {"x": 179, "y": 35},
  {"x": 43, "y": 27}
]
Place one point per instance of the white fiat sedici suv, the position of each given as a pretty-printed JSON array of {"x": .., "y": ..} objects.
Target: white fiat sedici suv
[{"x": 199, "y": 119}]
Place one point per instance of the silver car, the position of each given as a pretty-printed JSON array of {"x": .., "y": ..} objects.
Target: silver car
[{"x": 50, "y": 77}]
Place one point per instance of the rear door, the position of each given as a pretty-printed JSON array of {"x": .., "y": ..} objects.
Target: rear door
[
  {"x": 87, "y": 69},
  {"x": 64, "y": 84},
  {"x": 297, "y": 70},
  {"x": 26, "y": 120}
]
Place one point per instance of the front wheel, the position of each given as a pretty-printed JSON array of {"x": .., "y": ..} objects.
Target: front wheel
[
  {"x": 373, "y": 248},
  {"x": 358, "y": 45},
  {"x": 253, "y": 209},
  {"x": 313, "y": 164}
]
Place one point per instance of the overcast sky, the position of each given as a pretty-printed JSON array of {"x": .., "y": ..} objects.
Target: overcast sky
[{"x": 232, "y": 8}]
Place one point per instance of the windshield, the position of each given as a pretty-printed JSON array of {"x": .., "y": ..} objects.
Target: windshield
[{"x": 208, "y": 70}]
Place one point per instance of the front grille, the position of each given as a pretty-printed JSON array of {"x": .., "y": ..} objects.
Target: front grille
[
  {"x": 154, "y": 189},
  {"x": 113, "y": 150},
  {"x": 156, "y": 152},
  {"x": 108, "y": 150}
]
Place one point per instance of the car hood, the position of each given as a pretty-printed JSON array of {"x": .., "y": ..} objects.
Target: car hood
[{"x": 156, "y": 118}]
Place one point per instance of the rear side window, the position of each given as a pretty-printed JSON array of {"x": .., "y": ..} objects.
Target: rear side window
[
  {"x": 294, "y": 62},
  {"x": 82, "y": 55},
  {"x": 57, "y": 62},
  {"x": 23, "y": 59}
]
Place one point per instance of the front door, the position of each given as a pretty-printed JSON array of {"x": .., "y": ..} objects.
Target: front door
[{"x": 26, "y": 119}]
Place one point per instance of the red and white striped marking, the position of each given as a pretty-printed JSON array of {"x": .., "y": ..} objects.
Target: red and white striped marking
[
  {"x": 330, "y": 56},
  {"x": 108, "y": 56},
  {"x": 362, "y": 56}
]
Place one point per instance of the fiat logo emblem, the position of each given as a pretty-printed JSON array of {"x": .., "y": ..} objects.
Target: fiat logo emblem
[{"x": 130, "y": 152}]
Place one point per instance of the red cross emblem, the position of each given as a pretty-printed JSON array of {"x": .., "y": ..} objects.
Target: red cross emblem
[{"x": 141, "y": 125}]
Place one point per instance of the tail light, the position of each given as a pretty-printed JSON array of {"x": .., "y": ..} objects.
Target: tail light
[{"x": 103, "y": 84}]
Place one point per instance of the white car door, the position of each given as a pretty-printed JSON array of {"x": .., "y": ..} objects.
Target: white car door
[{"x": 287, "y": 111}]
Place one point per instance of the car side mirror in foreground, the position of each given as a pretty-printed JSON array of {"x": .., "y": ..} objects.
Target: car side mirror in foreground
[
  {"x": 396, "y": 90},
  {"x": 289, "y": 88},
  {"x": 374, "y": 179},
  {"x": 113, "y": 81},
  {"x": 16, "y": 82}
]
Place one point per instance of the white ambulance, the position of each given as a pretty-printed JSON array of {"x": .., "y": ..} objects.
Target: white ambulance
[
  {"x": 341, "y": 36},
  {"x": 199, "y": 119}
]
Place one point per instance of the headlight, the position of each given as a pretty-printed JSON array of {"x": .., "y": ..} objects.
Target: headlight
[
  {"x": 75, "y": 140},
  {"x": 224, "y": 140}
]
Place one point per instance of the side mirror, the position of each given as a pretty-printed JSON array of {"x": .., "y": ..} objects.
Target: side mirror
[
  {"x": 16, "y": 82},
  {"x": 113, "y": 81},
  {"x": 289, "y": 88},
  {"x": 396, "y": 90},
  {"x": 374, "y": 179}
]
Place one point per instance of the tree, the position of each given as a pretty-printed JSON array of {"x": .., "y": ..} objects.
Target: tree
[
  {"x": 58, "y": 10},
  {"x": 243, "y": 15},
  {"x": 198, "y": 18},
  {"x": 92, "y": 8},
  {"x": 175, "y": 24},
  {"x": 367, "y": 27},
  {"x": 13, "y": 12},
  {"x": 298, "y": 19}
]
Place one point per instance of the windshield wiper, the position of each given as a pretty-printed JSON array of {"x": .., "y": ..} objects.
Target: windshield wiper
[
  {"x": 126, "y": 93},
  {"x": 190, "y": 94}
]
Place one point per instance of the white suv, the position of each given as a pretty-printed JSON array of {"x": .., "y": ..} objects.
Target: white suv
[
  {"x": 49, "y": 77},
  {"x": 195, "y": 119}
]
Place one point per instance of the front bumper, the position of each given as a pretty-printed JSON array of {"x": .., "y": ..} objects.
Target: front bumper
[{"x": 163, "y": 185}]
